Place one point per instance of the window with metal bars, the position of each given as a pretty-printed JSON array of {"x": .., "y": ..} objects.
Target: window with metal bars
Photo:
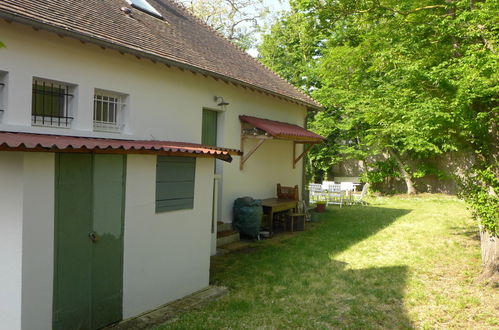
[
  {"x": 3, "y": 91},
  {"x": 108, "y": 112},
  {"x": 50, "y": 104}
]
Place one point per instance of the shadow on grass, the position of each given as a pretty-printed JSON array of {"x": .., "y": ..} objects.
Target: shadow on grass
[{"x": 297, "y": 282}]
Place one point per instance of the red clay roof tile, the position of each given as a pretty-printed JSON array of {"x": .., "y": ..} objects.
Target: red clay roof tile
[
  {"x": 180, "y": 39},
  {"x": 283, "y": 130},
  {"x": 59, "y": 143}
]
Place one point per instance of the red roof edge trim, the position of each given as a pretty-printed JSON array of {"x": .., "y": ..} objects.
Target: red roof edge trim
[
  {"x": 283, "y": 130},
  {"x": 15, "y": 141}
]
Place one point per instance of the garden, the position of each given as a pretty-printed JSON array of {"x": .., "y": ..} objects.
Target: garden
[{"x": 401, "y": 262}]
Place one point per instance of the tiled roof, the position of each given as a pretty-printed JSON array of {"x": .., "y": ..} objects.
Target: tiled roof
[
  {"x": 283, "y": 130},
  {"x": 180, "y": 39},
  {"x": 58, "y": 143}
]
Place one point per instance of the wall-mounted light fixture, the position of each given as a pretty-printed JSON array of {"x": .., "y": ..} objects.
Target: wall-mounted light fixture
[{"x": 221, "y": 101}]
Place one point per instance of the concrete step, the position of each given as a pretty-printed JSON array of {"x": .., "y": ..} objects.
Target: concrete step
[
  {"x": 223, "y": 226},
  {"x": 227, "y": 236}
]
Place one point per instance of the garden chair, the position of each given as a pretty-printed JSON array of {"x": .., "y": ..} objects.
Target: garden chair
[
  {"x": 335, "y": 195},
  {"x": 326, "y": 184},
  {"x": 348, "y": 188},
  {"x": 316, "y": 193},
  {"x": 359, "y": 199}
]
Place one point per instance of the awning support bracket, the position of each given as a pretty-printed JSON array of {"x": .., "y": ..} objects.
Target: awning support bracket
[
  {"x": 247, "y": 155},
  {"x": 305, "y": 151}
]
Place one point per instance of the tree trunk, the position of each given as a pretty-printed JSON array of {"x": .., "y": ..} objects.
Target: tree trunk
[
  {"x": 407, "y": 177},
  {"x": 490, "y": 255}
]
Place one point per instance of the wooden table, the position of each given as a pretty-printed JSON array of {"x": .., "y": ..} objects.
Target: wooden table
[{"x": 274, "y": 205}]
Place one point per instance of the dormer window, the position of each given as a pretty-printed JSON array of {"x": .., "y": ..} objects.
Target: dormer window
[{"x": 146, "y": 7}]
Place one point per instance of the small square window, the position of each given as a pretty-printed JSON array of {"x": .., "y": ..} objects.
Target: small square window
[
  {"x": 108, "y": 111},
  {"x": 51, "y": 103}
]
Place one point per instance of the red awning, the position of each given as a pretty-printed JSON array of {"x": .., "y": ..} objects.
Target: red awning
[
  {"x": 283, "y": 130},
  {"x": 13, "y": 141}
]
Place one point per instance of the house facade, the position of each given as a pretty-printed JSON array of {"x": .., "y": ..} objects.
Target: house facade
[{"x": 103, "y": 216}]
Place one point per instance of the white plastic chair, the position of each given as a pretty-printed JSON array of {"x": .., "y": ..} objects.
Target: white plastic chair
[
  {"x": 335, "y": 195},
  {"x": 359, "y": 199},
  {"x": 326, "y": 184},
  {"x": 316, "y": 192},
  {"x": 348, "y": 188}
]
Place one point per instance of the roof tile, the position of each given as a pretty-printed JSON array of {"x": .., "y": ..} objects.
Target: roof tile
[{"x": 180, "y": 38}]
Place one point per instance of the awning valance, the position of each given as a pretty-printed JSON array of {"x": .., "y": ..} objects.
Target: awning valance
[
  {"x": 266, "y": 129},
  {"x": 14, "y": 141},
  {"x": 281, "y": 130}
]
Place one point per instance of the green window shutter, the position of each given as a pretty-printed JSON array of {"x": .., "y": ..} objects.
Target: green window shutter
[
  {"x": 175, "y": 183},
  {"x": 209, "y": 133}
]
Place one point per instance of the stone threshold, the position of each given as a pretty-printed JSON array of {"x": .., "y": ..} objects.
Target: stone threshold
[{"x": 163, "y": 314}]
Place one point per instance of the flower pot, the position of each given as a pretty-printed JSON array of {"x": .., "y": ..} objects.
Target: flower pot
[{"x": 319, "y": 208}]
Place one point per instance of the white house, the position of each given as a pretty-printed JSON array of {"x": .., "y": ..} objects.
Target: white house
[{"x": 118, "y": 120}]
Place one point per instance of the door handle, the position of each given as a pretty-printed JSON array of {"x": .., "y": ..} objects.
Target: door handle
[{"x": 93, "y": 236}]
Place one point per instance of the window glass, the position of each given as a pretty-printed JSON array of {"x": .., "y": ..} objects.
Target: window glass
[
  {"x": 145, "y": 6},
  {"x": 50, "y": 103}
]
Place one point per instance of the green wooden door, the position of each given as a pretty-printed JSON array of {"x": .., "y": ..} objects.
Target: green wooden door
[
  {"x": 209, "y": 127},
  {"x": 88, "y": 276}
]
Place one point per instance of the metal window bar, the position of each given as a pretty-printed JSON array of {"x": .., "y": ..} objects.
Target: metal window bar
[
  {"x": 1, "y": 85},
  {"x": 50, "y": 104},
  {"x": 108, "y": 113}
]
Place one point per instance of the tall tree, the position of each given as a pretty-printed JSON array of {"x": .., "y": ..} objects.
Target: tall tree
[
  {"x": 412, "y": 78},
  {"x": 397, "y": 75},
  {"x": 238, "y": 20}
]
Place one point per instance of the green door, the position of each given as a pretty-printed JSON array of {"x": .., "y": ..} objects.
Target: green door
[
  {"x": 88, "y": 277},
  {"x": 209, "y": 133}
]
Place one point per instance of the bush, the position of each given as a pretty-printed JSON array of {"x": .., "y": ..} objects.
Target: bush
[{"x": 479, "y": 189}]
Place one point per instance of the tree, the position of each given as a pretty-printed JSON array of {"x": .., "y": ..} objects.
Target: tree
[
  {"x": 235, "y": 19},
  {"x": 411, "y": 78},
  {"x": 388, "y": 69}
]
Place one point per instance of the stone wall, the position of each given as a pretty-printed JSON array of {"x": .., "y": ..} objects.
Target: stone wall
[{"x": 451, "y": 164}]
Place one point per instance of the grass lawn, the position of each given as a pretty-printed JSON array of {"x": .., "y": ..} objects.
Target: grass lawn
[{"x": 399, "y": 263}]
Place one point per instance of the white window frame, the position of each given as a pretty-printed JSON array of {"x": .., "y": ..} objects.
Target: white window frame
[{"x": 110, "y": 120}]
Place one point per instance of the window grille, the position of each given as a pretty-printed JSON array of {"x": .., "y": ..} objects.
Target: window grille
[
  {"x": 3, "y": 91},
  {"x": 2, "y": 85},
  {"x": 108, "y": 112},
  {"x": 50, "y": 104}
]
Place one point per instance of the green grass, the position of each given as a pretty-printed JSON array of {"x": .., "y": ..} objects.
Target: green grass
[{"x": 399, "y": 263}]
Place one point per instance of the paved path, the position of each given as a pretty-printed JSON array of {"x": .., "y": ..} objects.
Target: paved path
[{"x": 166, "y": 312}]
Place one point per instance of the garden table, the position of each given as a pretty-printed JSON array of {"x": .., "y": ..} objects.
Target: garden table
[{"x": 274, "y": 205}]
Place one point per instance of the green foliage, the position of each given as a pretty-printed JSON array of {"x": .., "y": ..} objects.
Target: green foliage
[
  {"x": 417, "y": 77},
  {"x": 426, "y": 169},
  {"x": 480, "y": 188},
  {"x": 381, "y": 171}
]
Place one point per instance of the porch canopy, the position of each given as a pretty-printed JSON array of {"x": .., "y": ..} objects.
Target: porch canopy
[
  {"x": 13, "y": 141},
  {"x": 265, "y": 129}
]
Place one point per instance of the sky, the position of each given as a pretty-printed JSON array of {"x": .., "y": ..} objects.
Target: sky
[{"x": 274, "y": 6}]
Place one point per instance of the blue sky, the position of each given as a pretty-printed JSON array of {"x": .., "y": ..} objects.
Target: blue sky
[{"x": 274, "y": 6}]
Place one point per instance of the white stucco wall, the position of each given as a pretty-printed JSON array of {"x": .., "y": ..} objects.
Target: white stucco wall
[
  {"x": 11, "y": 199},
  {"x": 164, "y": 103},
  {"x": 38, "y": 240},
  {"x": 166, "y": 254}
]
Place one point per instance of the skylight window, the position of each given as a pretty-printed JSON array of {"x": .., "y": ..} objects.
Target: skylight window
[{"x": 145, "y": 7}]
